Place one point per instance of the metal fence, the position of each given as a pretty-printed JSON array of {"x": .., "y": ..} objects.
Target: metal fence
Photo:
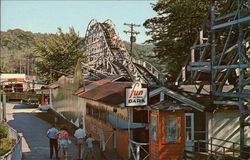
[{"x": 16, "y": 152}]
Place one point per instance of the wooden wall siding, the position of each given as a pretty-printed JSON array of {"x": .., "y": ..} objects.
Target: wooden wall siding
[
  {"x": 224, "y": 124},
  {"x": 121, "y": 135},
  {"x": 160, "y": 149},
  {"x": 153, "y": 144},
  {"x": 92, "y": 125},
  {"x": 102, "y": 106},
  {"x": 154, "y": 150},
  {"x": 122, "y": 143}
]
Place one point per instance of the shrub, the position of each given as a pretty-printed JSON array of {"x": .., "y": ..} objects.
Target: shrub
[
  {"x": 6, "y": 143},
  {"x": 3, "y": 131}
]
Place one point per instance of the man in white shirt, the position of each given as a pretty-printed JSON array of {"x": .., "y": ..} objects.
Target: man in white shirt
[
  {"x": 80, "y": 135},
  {"x": 51, "y": 134}
]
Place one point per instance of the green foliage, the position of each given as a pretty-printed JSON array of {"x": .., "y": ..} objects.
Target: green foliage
[
  {"x": 36, "y": 53},
  {"x": 177, "y": 24},
  {"x": 174, "y": 30},
  {"x": 140, "y": 51},
  {"x": 58, "y": 52},
  {"x": 3, "y": 130},
  {"x": 17, "y": 39},
  {"x": 17, "y": 55},
  {"x": 145, "y": 53},
  {"x": 6, "y": 143}
]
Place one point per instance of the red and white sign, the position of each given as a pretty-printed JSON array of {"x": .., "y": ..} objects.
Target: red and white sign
[{"x": 136, "y": 95}]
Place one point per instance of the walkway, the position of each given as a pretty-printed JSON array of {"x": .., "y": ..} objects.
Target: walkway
[{"x": 35, "y": 143}]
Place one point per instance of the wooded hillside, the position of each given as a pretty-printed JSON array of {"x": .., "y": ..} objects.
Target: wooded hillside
[
  {"x": 18, "y": 54},
  {"x": 17, "y": 51}
]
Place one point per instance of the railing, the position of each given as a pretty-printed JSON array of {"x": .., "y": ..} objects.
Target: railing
[
  {"x": 152, "y": 69},
  {"x": 215, "y": 149},
  {"x": 233, "y": 151},
  {"x": 16, "y": 152},
  {"x": 137, "y": 149}
]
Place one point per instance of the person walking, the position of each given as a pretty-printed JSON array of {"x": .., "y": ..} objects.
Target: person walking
[
  {"x": 80, "y": 135},
  {"x": 63, "y": 137},
  {"x": 51, "y": 134},
  {"x": 90, "y": 150}
]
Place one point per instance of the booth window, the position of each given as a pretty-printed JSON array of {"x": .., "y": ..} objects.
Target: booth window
[
  {"x": 87, "y": 110},
  {"x": 171, "y": 130},
  {"x": 188, "y": 128},
  {"x": 95, "y": 113},
  {"x": 153, "y": 128}
]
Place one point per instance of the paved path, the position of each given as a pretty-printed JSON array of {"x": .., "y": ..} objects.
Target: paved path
[{"x": 35, "y": 143}]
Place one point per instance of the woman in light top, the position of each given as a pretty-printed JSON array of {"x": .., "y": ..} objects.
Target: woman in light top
[{"x": 63, "y": 137}]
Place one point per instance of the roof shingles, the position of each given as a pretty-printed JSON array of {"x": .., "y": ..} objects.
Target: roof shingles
[{"x": 109, "y": 93}]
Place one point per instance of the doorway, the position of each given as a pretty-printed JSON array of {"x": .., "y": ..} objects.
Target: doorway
[{"x": 189, "y": 130}]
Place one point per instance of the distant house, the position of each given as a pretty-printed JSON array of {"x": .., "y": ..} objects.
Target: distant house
[
  {"x": 12, "y": 82},
  {"x": 4, "y": 77},
  {"x": 19, "y": 82}
]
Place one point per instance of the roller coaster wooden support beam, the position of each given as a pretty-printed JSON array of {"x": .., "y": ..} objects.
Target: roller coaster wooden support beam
[
  {"x": 108, "y": 55},
  {"x": 215, "y": 65}
]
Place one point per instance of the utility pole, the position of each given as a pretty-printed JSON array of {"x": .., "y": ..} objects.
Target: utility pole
[
  {"x": 0, "y": 62},
  {"x": 50, "y": 89},
  {"x": 132, "y": 33},
  {"x": 130, "y": 120}
]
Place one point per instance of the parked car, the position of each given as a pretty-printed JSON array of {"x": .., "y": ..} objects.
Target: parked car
[{"x": 7, "y": 88}]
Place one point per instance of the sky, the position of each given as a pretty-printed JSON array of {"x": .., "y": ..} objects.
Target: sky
[{"x": 46, "y": 16}]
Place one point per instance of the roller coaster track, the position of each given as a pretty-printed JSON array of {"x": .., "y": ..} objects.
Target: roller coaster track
[{"x": 107, "y": 55}]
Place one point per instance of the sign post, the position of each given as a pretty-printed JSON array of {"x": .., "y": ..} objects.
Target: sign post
[
  {"x": 134, "y": 96},
  {"x": 129, "y": 133}
]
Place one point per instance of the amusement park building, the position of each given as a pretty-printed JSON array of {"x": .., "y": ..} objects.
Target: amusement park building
[{"x": 161, "y": 130}]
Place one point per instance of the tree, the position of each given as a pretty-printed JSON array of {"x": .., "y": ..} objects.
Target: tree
[
  {"x": 174, "y": 30},
  {"x": 59, "y": 52},
  {"x": 16, "y": 45}
]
